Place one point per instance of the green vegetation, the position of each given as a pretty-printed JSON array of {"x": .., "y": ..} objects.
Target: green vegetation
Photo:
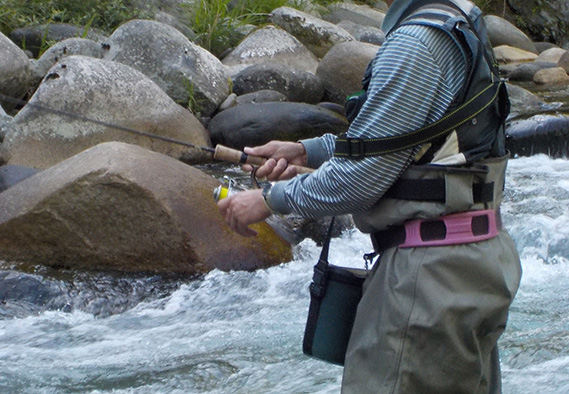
[{"x": 103, "y": 15}]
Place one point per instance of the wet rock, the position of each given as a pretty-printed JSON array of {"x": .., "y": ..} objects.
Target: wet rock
[
  {"x": 15, "y": 72},
  {"x": 316, "y": 34},
  {"x": 296, "y": 85},
  {"x": 120, "y": 207},
  {"x": 184, "y": 70},
  {"x": 270, "y": 44},
  {"x": 105, "y": 91},
  {"x": 545, "y": 134},
  {"x": 343, "y": 67},
  {"x": 257, "y": 124},
  {"x": 524, "y": 103}
]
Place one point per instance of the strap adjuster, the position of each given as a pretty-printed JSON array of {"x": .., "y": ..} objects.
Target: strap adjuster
[{"x": 358, "y": 143}]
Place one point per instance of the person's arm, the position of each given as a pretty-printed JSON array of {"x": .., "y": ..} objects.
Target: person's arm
[{"x": 407, "y": 91}]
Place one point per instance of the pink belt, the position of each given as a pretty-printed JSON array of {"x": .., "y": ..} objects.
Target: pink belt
[{"x": 459, "y": 228}]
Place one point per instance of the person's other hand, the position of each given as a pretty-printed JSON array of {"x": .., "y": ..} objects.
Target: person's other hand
[
  {"x": 242, "y": 209},
  {"x": 282, "y": 156}
]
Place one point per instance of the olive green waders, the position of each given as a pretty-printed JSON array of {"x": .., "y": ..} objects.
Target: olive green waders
[{"x": 430, "y": 319}]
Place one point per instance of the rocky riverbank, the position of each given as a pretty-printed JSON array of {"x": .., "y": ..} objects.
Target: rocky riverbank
[{"x": 104, "y": 198}]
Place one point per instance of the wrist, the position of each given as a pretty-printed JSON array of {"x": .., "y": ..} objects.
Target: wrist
[{"x": 267, "y": 198}]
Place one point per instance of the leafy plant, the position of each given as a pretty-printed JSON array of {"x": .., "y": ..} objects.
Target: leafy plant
[
  {"x": 218, "y": 23},
  {"x": 104, "y": 15}
]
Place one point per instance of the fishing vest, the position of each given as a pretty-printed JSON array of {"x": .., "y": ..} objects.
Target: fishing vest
[{"x": 474, "y": 122}]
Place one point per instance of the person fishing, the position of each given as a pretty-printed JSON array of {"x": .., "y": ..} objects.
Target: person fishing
[{"x": 422, "y": 170}]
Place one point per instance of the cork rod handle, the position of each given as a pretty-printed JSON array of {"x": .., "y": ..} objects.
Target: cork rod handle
[{"x": 231, "y": 155}]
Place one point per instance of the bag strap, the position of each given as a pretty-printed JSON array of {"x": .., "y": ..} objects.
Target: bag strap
[{"x": 318, "y": 285}]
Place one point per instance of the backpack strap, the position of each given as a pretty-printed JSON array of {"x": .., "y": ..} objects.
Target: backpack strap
[{"x": 360, "y": 148}]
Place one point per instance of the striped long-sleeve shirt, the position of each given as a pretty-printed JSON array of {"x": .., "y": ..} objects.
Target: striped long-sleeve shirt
[{"x": 416, "y": 74}]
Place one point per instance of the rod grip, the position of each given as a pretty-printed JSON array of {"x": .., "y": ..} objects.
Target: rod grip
[{"x": 231, "y": 155}]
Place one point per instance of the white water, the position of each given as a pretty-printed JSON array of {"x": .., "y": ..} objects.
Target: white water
[{"x": 241, "y": 332}]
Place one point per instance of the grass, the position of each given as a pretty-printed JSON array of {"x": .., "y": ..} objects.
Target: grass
[{"x": 103, "y": 15}]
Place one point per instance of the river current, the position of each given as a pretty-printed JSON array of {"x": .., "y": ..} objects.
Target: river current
[{"x": 241, "y": 332}]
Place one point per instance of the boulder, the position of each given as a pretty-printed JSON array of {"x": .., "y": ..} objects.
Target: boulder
[
  {"x": 369, "y": 34},
  {"x": 551, "y": 76},
  {"x": 296, "y": 85},
  {"x": 501, "y": 32},
  {"x": 33, "y": 38},
  {"x": 564, "y": 62},
  {"x": 63, "y": 49},
  {"x": 316, "y": 34},
  {"x": 524, "y": 103},
  {"x": 15, "y": 73},
  {"x": 362, "y": 15},
  {"x": 552, "y": 55},
  {"x": 5, "y": 120},
  {"x": 539, "y": 134},
  {"x": 121, "y": 207},
  {"x": 270, "y": 44},
  {"x": 343, "y": 67},
  {"x": 524, "y": 71},
  {"x": 544, "y": 46},
  {"x": 109, "y": 92},
  {"x": 184, "y": 70},
  {"x": 257, "y": 124},
  {"x": 544, "y": 20},
  {"x": 11, "y": 175},
  {"x": 506, "y": 54}
]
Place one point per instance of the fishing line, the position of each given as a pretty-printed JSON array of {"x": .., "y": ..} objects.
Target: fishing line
[{"x": 220, "y": 152}]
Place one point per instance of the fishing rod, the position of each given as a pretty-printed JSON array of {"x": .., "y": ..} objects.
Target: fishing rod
[{"x": 220, "y": 152}]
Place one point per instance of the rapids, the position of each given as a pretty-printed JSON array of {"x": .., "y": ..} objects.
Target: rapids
[{"x": 241, "y": 332}]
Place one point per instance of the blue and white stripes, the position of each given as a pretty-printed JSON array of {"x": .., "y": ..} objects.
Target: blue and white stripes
[{"x": 416, "y": 74}]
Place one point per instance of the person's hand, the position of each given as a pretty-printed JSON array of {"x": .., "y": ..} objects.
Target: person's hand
[
  {"x": 242, "y": 209},
  {"x": 282, "y": 156}
]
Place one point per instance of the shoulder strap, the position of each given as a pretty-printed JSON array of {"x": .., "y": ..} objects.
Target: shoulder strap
[{"x": 359, "y": 148}]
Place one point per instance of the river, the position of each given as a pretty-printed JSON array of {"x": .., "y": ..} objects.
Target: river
[{"x": 241, "y": 332}]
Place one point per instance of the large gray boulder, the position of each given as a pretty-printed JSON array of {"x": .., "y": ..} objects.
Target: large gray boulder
[
  {"x": 61, "y": 50},
  {"x": 15, "y": 72},
  {"x": 316, "y": 34},
  {"x": 257, "y": 124},
  {"x": 105, "y": 91},
  {"x": 544, "y": 20},
  {"x": 369, "y": 34},
  {"x": 296, "y": 85},
  {"x": 524, "y": 72},
  {"x": 184, "y": 70},
  {"x": 501, "y": 32},
  {"x": 34, "y": 38},
  {"x": 121, "y": 207},
  {"x": 270, "y": 44},
  {"x": 343, "y": 67},
  {"x": 362, "y": 15}
]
